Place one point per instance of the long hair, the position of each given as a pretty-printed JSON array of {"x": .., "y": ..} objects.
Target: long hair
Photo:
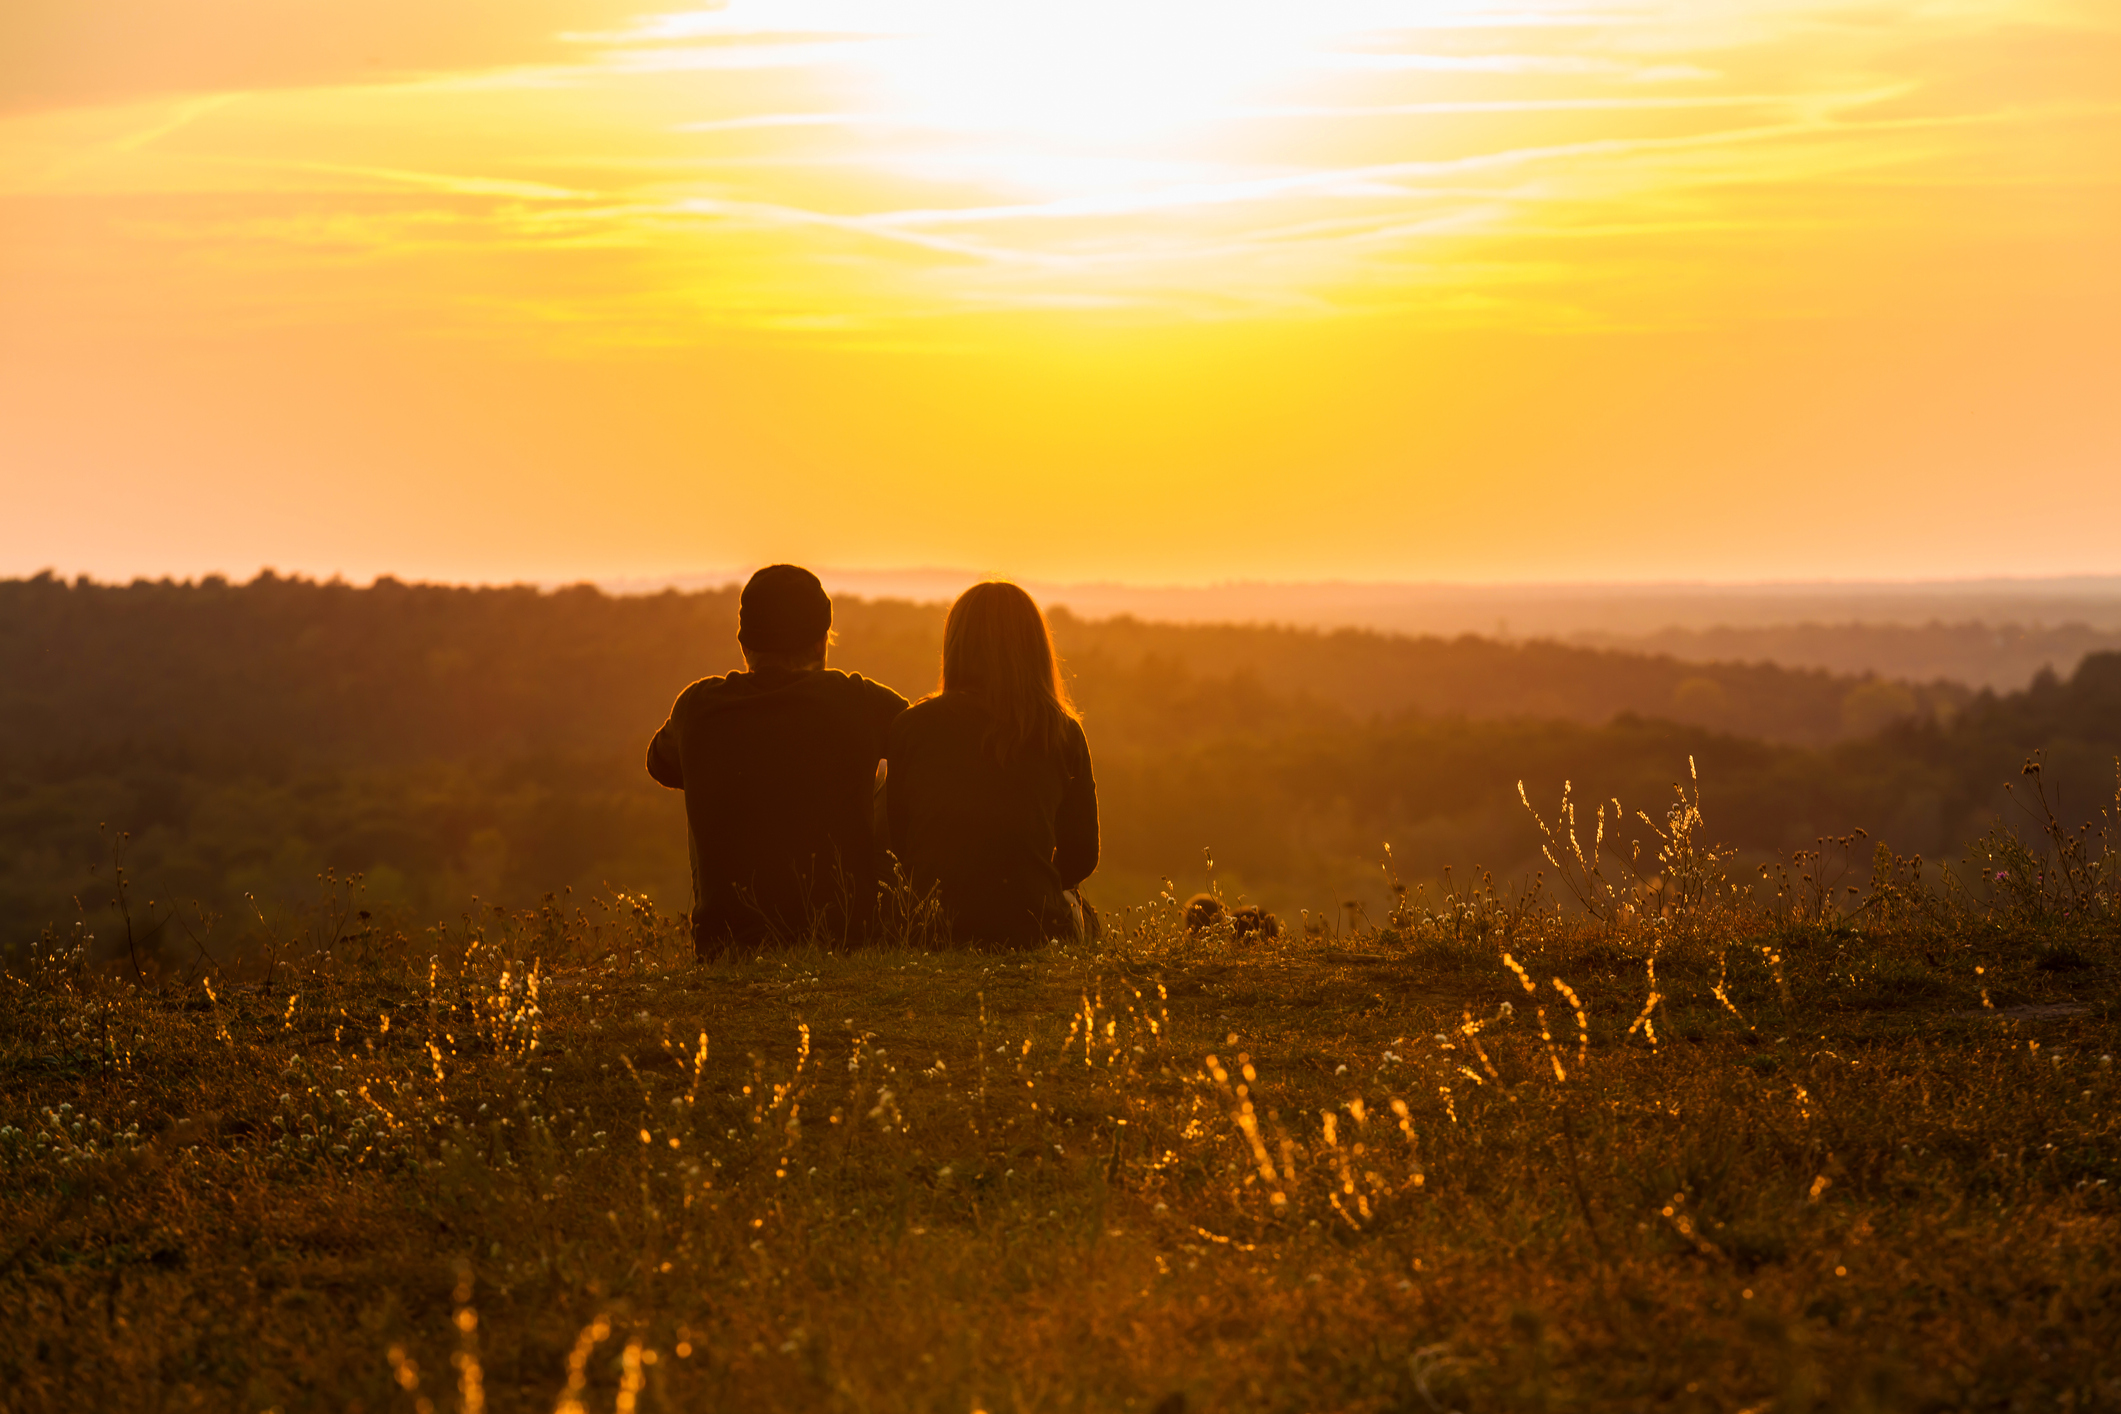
[{"x": 998, "y": 650}]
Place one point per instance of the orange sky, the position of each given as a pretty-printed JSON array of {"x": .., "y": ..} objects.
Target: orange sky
[{"x": 1163, "y": 292}]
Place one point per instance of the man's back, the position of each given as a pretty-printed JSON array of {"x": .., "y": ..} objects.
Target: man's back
[{"x": 777, "y": 768}]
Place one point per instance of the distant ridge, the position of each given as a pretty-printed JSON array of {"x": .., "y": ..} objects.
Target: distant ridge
[
  {"x": 1993, "y": 632},
  {"x": 1516, "y": 610}
]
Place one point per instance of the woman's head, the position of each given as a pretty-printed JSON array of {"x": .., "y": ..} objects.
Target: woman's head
[{"x": 996, "y": 648}]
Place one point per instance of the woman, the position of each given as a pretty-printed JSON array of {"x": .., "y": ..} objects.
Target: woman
[{"x": 989, "y": 797}]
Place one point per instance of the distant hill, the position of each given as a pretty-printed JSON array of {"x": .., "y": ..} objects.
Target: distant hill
[
  {"x": 398, "y": 672},
  {"x": 2003, "y": 656},
  {"x": 1993, "y": 633},
  {"x": 448, "y": 742},
  {"x": 1363, "y": 673},
  {"x": 1534, "y": 610}
]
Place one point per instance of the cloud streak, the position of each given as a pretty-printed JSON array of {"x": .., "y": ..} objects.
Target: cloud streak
[{"x": 824, "y": 177}]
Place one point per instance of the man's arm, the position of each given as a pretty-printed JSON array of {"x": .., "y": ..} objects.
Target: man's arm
[
  {"x": 880, "y": 810},
  {"x": 894, "y": 833},
  {"x": 666, "y": 763},
  {"x": 885, "y": 703}
]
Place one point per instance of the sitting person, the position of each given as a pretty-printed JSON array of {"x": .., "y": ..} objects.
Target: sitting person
[
  {"x": 778, "y": 764},
  {"x": 989, "y": 796}
]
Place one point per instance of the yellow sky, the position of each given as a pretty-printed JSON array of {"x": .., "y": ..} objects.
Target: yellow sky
[{"x": 1161, "y": 290}]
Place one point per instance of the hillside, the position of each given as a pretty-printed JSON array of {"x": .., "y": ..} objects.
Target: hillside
[
  {"x": 451, "y": 742},
  {"x": 399, "y": 672}
]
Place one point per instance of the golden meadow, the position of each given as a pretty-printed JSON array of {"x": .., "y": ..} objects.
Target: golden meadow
[{"x": 1644, "y": 1130}]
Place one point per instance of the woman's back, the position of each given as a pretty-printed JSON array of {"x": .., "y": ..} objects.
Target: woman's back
[{"x": 998, "y": 837}]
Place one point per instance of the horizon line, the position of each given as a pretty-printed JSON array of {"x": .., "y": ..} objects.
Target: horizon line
[{"x": 2099, "y": 583}]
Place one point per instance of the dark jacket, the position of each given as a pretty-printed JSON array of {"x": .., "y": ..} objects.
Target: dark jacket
[
  {"x": 778, "y": 769},
  {"x": 998, "y": 842}
]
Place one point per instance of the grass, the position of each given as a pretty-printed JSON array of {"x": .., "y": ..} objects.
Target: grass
[{"x": 1786, "y": 1160}]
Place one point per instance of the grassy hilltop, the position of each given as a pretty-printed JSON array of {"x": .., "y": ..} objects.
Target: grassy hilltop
[{"x": 1697, "y": 1141}]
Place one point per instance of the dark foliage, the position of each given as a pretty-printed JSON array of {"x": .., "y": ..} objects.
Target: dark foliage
[{"x": 447, "y": 742}]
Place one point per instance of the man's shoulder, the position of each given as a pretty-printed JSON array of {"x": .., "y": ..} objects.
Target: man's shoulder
[
  {"x": 705, "y": 689},
  {"x": 870, "y": 692},
  {"x": 852, "y": 682},
  {"x": 747, "y": 694}
]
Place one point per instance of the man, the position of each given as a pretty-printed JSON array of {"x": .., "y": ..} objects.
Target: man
[{"x": 778, "y": 765}]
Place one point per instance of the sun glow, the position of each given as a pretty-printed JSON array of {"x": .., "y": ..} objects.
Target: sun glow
[
  {"x": 1059, "y": 98},
  {"x": 1170, "y": 255},
  {"x": 865, "y": 168},
  {"x": 1098, "y": 71},
  {"x": 1102, "y": 71}
]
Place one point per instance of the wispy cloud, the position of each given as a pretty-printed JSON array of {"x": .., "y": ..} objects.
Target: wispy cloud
[{"x": 854, "y": 164}]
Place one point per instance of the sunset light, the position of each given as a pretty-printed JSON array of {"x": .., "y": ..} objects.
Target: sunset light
[
  {"x": 1001, "y": 706},
  {"x": 1026, "y": 74},
  {"x": 1172, "y": 253}
]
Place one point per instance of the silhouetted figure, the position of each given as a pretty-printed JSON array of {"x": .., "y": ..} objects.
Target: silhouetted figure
[
  {"x": 989, "y": 796},
  {"x": 778, "y": 764}
]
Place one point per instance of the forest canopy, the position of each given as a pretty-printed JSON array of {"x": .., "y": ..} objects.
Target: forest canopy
[{"x": 447, "y": 742}]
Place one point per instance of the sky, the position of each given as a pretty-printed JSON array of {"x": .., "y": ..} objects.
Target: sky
[{"x": 1157, "y": 291}]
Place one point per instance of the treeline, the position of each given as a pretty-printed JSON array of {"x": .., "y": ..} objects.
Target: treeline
[
  {"x": 398, "y": 672},
  {"x": 447, "y": 742},
  {"x": 2003, "y": 656}
]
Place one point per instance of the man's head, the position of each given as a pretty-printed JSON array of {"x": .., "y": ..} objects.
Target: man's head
[{"x": 784, "y": 619}]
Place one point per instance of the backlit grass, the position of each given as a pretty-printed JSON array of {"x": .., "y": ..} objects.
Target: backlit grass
[{"x": 1691, "y": 1149}]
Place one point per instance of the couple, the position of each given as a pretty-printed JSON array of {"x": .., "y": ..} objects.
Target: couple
[{"x": 986, "y": 795}]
